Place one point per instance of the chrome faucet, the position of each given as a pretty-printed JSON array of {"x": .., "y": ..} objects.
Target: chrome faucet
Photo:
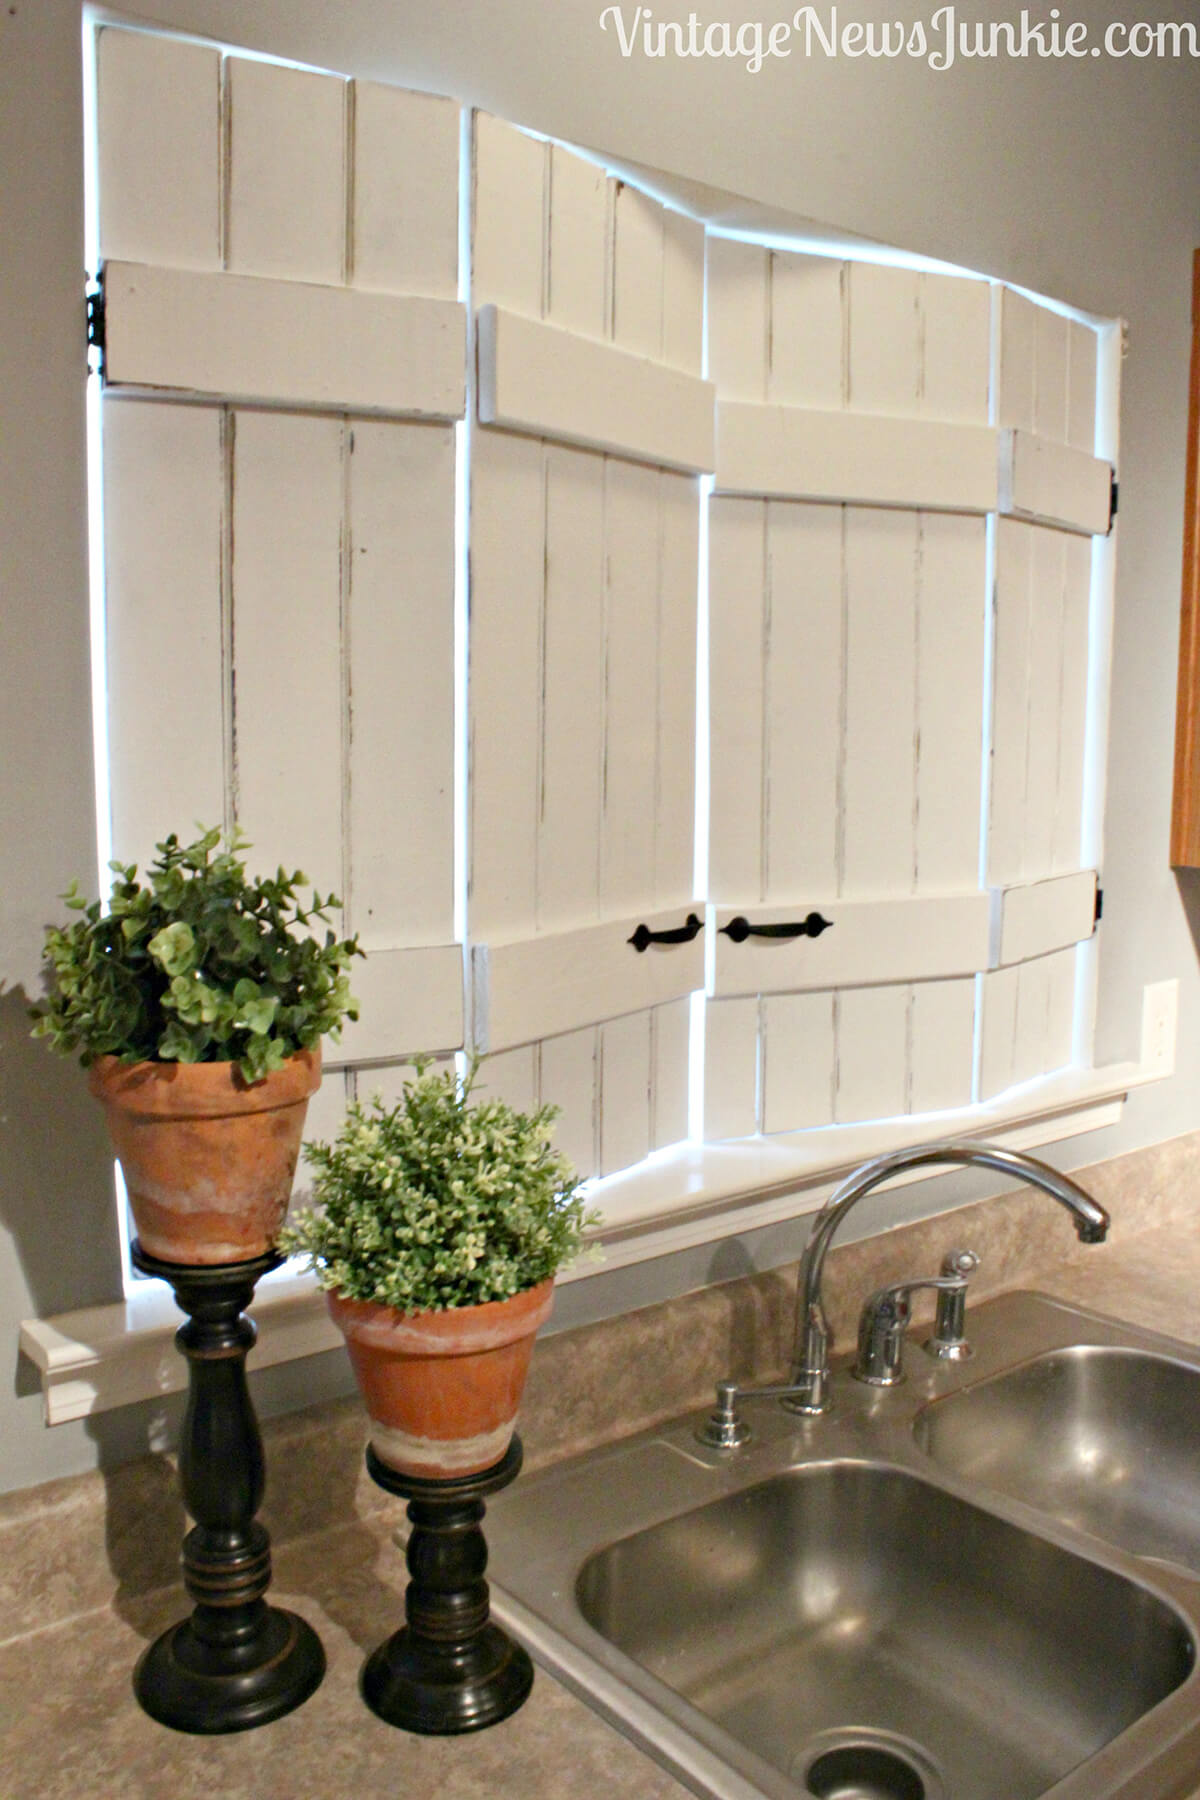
[{"x": 808, "y": 1385}]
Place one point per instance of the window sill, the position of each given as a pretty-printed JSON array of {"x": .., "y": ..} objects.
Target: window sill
[{"x": 107, "y": 1356}]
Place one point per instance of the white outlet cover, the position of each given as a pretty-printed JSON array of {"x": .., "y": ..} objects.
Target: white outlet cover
[{"x": 1160, "y": 1021}]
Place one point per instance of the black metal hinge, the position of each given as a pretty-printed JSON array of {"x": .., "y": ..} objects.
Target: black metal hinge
[
  {"x": 1096, "y": 917},
  {"x": 95, "y": 317},
  {"x": 1113, "y": 490}
]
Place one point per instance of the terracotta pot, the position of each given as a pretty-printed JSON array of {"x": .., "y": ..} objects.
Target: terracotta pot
[
  {"x": 442, "y": 1388},
  {"x": 208, "y": 1158}
]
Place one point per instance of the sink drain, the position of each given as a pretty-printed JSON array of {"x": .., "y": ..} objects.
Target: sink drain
[{"x": 868, "y": 1765}]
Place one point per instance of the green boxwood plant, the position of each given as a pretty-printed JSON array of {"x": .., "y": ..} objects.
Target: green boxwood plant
[
  {"x": 198, "y": 964},
  {"x": 439, "y": 1201}
]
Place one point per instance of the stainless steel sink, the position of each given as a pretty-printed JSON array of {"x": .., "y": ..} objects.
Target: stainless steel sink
[
  {"x": 850, "y": 1595},
  {"x": 848, "y": 1608},
  {"x": 1103, "y": 1437}
]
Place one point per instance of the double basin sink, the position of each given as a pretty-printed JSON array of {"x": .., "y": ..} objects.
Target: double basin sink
[{"x": 983, "y": 1584}]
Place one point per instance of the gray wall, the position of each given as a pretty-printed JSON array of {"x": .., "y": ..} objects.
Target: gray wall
[{"x": 1078, "y": 179}]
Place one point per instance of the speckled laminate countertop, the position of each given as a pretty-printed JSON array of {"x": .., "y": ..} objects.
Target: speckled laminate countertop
[{"x": 70, "y": 1729}]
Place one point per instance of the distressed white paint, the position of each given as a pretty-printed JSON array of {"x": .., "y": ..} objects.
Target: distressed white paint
[
  {"x": 400, "y": 649},
  {"x": 872, "y": 1053},
  {"x": 683, "y": 292},
  {"x": 900, "y": 938},
  {"x": 410, "y": 1001},
  {"x": 540, "y": 986},
  {"x": 884, "y": 339},
  {"x": 165, "y": 632},
  {"x": 630, "y": 683},
  {"x": 508, "y": 217},
  {"x": 158, "y": 104},
  {"x": 736, "y": 584},
  {"x": 572, "y": 691},
  {"x": 670, "y": 1044},
  {"x": 880, "y": 461},
  {"x": 283, "y": 343},
  {"x": 956, "y": 348},
  {"x": 798, "y": 1061},
  {"x": 1040, "y": 916},
  {"x": 1053, "y": 483},
  {"x": 577, "y": 275},
  {"x": 731, "y": 1038},
  {"x": 405, "y": 191},
  {"x": 625, "y": 1076},
  {"x": 941, "y": 1045},
  {"x": 286, "y": 177},
  {"x": 286, "y": 584},
  {"x": 879, "y": 771},
  {"x": 678, "y": 568},
  {"x": 808, "y": 325},
  {"x": 951, "y": 621},
  {"x": 737, "y": 281},
  {"x": 569, "y": 1066},
  {"x": 555, "y": 384}
]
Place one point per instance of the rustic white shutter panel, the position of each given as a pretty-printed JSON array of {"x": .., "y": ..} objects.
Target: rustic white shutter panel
[
  {"x": 849, "y": 636},
  {"x": 279, "y": 566},
  {"x": 584, "y": 539}
]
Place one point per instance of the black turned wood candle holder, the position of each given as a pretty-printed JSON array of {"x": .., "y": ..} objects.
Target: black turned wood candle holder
[
  {"x": 449, "y": 1669},
  {"x": 236, "y": 1662}
]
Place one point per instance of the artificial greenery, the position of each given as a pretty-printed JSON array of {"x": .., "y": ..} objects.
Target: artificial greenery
[
  {"x": 199, "y": 964},
  {"x": 439, "y": 1201}
]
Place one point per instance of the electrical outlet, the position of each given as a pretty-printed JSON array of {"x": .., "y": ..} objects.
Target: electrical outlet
[{"x": 1160, "y": 1020}]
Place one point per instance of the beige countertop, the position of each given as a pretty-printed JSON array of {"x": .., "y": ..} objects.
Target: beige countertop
[{"x": 70, "y": 1729}]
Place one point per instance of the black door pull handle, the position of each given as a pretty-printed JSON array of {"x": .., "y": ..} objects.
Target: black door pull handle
[
  {"x": 740, "y": 929},
  {"x": 643, "y": 937}
]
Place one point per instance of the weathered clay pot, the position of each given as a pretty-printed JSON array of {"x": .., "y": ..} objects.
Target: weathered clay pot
[
  {"x": 208, "y": 1157},
  {"x": 442, "y": 1388}
]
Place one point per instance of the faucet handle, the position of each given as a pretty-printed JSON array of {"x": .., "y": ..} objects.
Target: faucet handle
[
  {"x": 882, "y": 1325},
  {"x": 949, "y": 1342}
]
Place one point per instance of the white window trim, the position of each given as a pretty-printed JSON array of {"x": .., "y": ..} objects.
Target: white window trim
[{"x": 105, "y": 1356}]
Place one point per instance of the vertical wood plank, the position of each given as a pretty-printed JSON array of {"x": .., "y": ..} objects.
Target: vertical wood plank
[
  {"x": 807, "y": 347},
  {"x": 287, "y": 186},
  {"x": 578, "y": 240},
  {"x": 872, "y": 1053},
  {"x": 956, "y": 317},
  {"x": 406, "y": 150},
  {"x": 1018, "y": 361},
  {"x": 1045, "y": 693},
  {"x": 735, "y": 601},
  {"x": 880, "y": 742},
  {"x": 683, "y": 292},
  {"x": 630, "y": 683},
  {"x": 163, "y": 502},
  {"x": 950, "y": 652},
  {"x": 158, "y": 106},
  {"x": 322, "y": 1122},
  {"x": 738, "y": 318},
  {"x": 798, "y": 1061},
  {"x": 572, "y": 690},
  {"x": 1072, "y": 704},
  {"x": 400, "y": 635},
  {"x": 1060, "y": 1008},
  {"x": 730, "y": 1069},
  {"x": 1031, "y": 1029},
  {"x": 1050, "y": 397},
  {"x": 637, "y": 273},
  {"x": 942, "y": 1029},
  {"x": 1010, "y": 702},
  {"x": 670, "y": 1032},
  {"x": 679, "y": 519},
  {"x": 624, "y": 1092},
  {"x": 803, "y": 724},
  {"x": 507, "y": 570},
  {"x": 509, "y": 203},
  {"x": 998, "y": 1031},
  {"x": 884, "y": 339},
  {"x": 287, "y": 551},
  {"x": 1081, "y": 387},
  {"x": 569, "y": 1072},
  {"x": 510, "y": 1075}
]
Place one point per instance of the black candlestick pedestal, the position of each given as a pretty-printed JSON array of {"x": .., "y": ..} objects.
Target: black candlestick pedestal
[
  {"x": 449, "y": 1669},
  {"x": 236, "y": 1662}
]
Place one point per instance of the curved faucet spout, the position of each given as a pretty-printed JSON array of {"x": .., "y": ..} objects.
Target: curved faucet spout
[{"x": 810, "y": 1370}]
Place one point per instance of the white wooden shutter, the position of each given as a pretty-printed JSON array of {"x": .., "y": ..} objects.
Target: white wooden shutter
[
  {"x": 849, "y": 639},
  {"x": 285, "y": 359},
  {"x": 584, "y": 543}
]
